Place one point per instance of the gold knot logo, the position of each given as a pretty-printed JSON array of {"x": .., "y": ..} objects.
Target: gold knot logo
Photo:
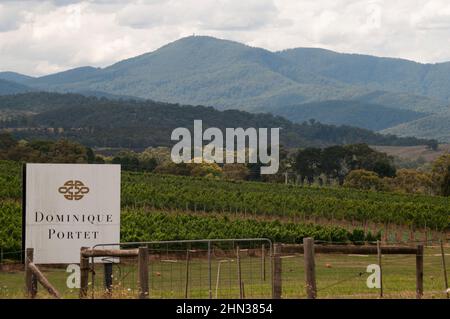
[{"x": 73, "y": 190}]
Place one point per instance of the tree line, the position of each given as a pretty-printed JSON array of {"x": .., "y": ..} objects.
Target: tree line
[{"x": 356, "y": 165}]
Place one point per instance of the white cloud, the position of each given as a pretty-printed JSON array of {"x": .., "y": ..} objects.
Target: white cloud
[
  {"x": 39, "y": 37},
  {"x": 214, "y": 15},
  {"x": 11, "y": 17}
]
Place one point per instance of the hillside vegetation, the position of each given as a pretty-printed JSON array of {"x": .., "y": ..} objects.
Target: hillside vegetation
[
  {"x": 436, "y": 125},
  {"x": 355, "y": 113},
  {"x": 103, "y": 122}
]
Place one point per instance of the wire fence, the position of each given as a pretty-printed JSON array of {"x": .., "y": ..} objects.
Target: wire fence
[
  {"x": 233, "y": 269},
  {"x": 236, "y": 268}
]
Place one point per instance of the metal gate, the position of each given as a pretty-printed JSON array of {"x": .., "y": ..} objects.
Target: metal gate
[{"x": 209, "y": 268}]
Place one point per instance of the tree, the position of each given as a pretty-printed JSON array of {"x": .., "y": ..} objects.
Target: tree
[
  {"x": 365, "y": 180},
  {"x": 333, "y": 162},
  {"x": 7, "y": 141},
  {"x": 307, "y": 163},
  {"x": 159, "y": 154},
  {"x": 128, "y": 161},
  {"x": 445, "y": 185},
  {"x": 412, "y": 181},
  {"x": 174, "y": 169},
  {"x": 433, "y": 145},
  {"x": 440, "y": 169},
  {"x": 210, "y": 170},
  {"x": 361, "y": 156},
  {"x": 235, "y": 171}
]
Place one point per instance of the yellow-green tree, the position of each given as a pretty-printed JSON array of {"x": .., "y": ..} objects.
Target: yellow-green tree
[
  {"x": 439, "y": 173},
  {"x": 210, "y": 170},
  {"x": 412, "y": 181},
  {"x": 366, "y": 180}
]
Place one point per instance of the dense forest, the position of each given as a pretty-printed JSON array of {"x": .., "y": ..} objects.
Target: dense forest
[{"x": 137, "y": 124}]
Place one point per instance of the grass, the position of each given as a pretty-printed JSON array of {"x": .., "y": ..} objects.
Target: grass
[{"x": 338, "y": 276}]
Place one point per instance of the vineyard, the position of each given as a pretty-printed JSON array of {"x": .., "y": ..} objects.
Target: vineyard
[
  {"x": 291, "y": 201},
  {"x": 163, "y": 207}
]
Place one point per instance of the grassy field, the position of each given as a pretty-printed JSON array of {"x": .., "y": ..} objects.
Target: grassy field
[
  {"x": 338, "y": 276},
  {"x": 414, "y": 152}
]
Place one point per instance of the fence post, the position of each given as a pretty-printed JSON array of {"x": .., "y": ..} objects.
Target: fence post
[
  {"x": 277, "y": 282},
  {"x": 44, "y": 282},
  {"x": 108, "y": 269},
  {"x": 419, "y": 271},
  {"x": 209, "y": 270},
  {"x": 310, "y": 268},
  {"x": 445, "y": 269},
  {"x": 263, "y": 262},
  {"x": 84, "y": 274},
  {"x": 186, "y": 287},
  {"x": 30, "y": 278},
  {"x": 143, "y": 272},
  {"x": 238, "y": 257}
]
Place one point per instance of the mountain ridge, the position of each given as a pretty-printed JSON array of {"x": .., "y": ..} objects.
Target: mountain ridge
[
  {"x": 202, "y": 70},
  {"x": 100, "y": 122}
]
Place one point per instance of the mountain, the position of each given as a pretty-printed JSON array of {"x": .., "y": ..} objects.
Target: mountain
[
  {"x": 377, "y": 73},
  {"x": 404, "y": 101},
  {"x": 198, "y": 70},
  {"x": 201, "y": 70},
  {"x": 8, "y": 87},
  {"x": 60, "y": 79},
  {"x": 370, "y": 116},
  {"x": 436, "y": 126},
  {"x": 138, "y": 124},
  {"x": 15, "y": 77}
]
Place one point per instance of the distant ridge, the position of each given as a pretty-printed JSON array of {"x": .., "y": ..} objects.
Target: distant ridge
[
  {"x": 100, "y": 122},
  {"x": 200, "y": 70}
]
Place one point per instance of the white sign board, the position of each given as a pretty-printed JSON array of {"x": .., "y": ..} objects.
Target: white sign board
[{"x": 69, "y": 206}]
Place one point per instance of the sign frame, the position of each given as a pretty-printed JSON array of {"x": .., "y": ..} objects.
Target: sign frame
[{"x": 25, "y": 192}]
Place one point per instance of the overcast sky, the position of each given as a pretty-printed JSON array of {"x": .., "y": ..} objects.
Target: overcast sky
[{"x": 41, "y": 37}]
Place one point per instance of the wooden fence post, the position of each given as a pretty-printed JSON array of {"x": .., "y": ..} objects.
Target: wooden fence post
[
  {"x": 143, "y": 272},
  {"x": 30, "y": 278},
  {"x": 444, "y": 268},
  {"x": 238, "y": 257},
  {"x": 263, "y": 262},
  {"x": 108, "y": 273},
  {"x": 419, "y": 271},
  {"x": 84, "y": 274},
  {"x": 310, "y": 268},
  {"x": 44, "y": 282},
  {"x": 277, "y": 270},
  {"x": 186, "y": 287}
]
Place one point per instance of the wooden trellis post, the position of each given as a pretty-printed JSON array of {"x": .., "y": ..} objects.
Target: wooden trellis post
[
  {"x": 143, "y": 272},
  {"x": 277, "y": 282},
  {"x": 310, "y": 268}
]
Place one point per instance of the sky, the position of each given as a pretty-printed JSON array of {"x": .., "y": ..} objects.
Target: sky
[{"x": 43, "y": 37}]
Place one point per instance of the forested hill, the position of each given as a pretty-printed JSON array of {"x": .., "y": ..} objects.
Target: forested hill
[
  {"x": 9, "y": 87},
  {"x": 137, "y": 124},
  {"x": 365, "y": 91}
]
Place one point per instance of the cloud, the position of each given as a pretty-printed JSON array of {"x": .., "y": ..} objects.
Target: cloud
[
  {"x": 11, "y": 17},
  {"x": 207, "y": 15},
  {"x": 40, "y": 37}
]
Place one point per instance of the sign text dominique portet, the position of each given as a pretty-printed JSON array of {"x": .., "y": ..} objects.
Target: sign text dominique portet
[{"x": 68, "y": 206}]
